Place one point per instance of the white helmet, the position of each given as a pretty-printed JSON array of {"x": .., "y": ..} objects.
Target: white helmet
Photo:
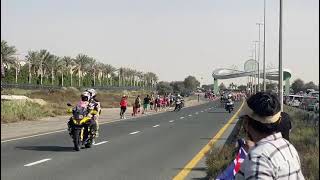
[
  {"x": 85, "y": 96},
  {"x": 92, "y": 92}
]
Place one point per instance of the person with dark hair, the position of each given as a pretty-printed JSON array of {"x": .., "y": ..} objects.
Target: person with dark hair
[
  {"x": 285, "y": 125},
  {"x": 271, "y": 156}
]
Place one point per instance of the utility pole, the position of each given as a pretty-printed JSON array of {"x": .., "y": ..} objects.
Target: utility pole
[
  {"x": 264, "y": 47},
  {"x": 259, "y": 24},
  {"x": 280, "y": 58}
]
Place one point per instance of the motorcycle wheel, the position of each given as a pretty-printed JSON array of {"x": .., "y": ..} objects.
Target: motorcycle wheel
[
  {"x": 76, "y": 139},
  {"x": 89, "y": 141}
]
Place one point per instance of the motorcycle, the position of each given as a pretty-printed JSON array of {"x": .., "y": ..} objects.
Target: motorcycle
[
  {"x": 179, "y": 104},
  {"x": 81, "y": 132},
  {"x": 229, "y": 106}
]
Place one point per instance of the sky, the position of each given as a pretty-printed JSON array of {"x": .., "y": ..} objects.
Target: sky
[{"x": 173, "y": 38}]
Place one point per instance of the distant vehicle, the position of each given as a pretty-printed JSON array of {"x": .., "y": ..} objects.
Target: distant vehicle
[
  {"x": 308, "y": 103},
  {"x": 293, "y": 100},
  {"x": 314, "y": 94}
]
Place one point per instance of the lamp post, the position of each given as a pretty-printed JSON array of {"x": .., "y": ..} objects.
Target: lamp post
[
  {"x": 255, "y": 75},
  {"x": 280, "y": 56},
  {"x": 264, "y": 47},
  {"x": 259, "y": 24}
]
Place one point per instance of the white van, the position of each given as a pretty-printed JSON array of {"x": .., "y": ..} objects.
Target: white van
[{"x": 293, "y": 100}]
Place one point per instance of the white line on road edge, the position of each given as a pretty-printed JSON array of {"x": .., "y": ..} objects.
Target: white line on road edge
[
  {"x": 156, "y": 125},
  {"x": 171, "y": 121},
  {"x": 37, "y": 162},
  {"x": 102, "y": 142},
  {"x": 33, "y": 135},
  {"x": 181, "y": 117},
  {"x": 135, "y": 132}
]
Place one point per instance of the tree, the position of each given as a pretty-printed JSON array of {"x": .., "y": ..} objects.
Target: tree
[
  {"x": 164, "y": 88},
  {"x": 7, "y": 56},
  {"x": 310, "y": 85},
  {"x": 297, "y": 85},
  {"x": 70, "y": 65},
  {"x": 242, "y": 87},
  {"x": 191, "y": 83},
  {"x": 178, "y": 86},
  {"x": 222, "y": 87},
  {"x": 81, "y": 61},
  {"x": 207, "y": 87}
]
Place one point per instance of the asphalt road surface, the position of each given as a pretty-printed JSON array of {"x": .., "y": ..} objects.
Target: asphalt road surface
[{"x": 150, "y": 147}]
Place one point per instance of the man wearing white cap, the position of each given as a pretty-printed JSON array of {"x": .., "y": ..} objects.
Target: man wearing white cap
[{"x": 271, "y": 156}]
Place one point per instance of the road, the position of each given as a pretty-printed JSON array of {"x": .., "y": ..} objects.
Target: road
[{"x": 149, "y": 147}]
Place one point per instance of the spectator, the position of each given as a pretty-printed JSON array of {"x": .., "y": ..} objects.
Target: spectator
[
  {"x": 146, "y": 102},
  {"x": 151, "y": 102},
  {"x": 136, "y": 106},
  {"x": 123, "y": 106},
  {"x": 285, "y": 125},
  {"x": 271, "y": 156}
]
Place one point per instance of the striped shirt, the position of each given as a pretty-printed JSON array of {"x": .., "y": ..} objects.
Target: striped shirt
[{"x": 273, "y": 157}]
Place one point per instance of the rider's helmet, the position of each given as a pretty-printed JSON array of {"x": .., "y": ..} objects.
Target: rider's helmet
[
  {"x": 229, "y": 95},
  {"x": 92, "y": 92},
  {"x": 85, "y": 96}
]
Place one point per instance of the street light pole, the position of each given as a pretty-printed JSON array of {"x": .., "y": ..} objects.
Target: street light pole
[
  {"x": 259, "y": 24},
  {"x": 264, "y": 47},
  {"x": 280, "y": 57},
  {"x": 255, "y": 75}
]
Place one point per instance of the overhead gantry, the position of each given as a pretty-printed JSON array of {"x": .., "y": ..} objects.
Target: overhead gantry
[{"x": 271, "y": 74}]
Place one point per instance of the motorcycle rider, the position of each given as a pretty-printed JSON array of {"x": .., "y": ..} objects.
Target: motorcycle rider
[
  {"x": 83, "y": 103},
  {"x": 229, "y": 101},
  {"x": 178, "y": 102},
  {"x": 94, "y": 104}
]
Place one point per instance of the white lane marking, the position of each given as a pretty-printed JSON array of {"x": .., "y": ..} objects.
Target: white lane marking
[
  {"x": 181, "y": 117},
  {"x": 171, "y": 121},
  {"x": 61, "y": 130},
  {"x": 156, "y": 125},
  {"x": 37, "y": 162},
  {"x": 102, "y": 142},
  {"x": 33, "y": 136},
  {"x": 201, "y": 111},
  {"x": 135, "y": 132},
  {"x": 190, "y": 115},
  {"x": 196, "y": 113}
]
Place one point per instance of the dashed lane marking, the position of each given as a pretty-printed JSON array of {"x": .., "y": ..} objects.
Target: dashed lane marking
[
  {"x": 37, "y": 162},
  {"x": 136, "y": 132},
  {"x": 102, "y": 142}
]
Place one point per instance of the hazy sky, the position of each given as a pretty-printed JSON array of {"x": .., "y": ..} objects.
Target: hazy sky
[{"x": 173, "y": 38}]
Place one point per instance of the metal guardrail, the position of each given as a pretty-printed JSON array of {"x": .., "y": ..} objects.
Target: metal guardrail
[{"x": 32, "y": 86}]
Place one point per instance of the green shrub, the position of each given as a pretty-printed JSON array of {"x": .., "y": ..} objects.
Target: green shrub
[{"x": 12, "y": 111}]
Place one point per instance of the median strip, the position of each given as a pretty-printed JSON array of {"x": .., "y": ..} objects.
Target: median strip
[{"x": 37, "y": 162}]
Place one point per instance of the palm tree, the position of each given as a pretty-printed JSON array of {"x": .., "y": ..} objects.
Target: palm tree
[
  {"x": 70, "y": 66},
  {"x": 140, "y": 76},
  {"x": 33, "y": 60},
  {"x": 81, "y": 61},
  {"x": 52, "y": 64},
  {"x": 109, "y": 69},
  {"x": 45, "y": 60},
  {"x": 61, "y": 67},
  {"x": 7, "y": 55}
]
